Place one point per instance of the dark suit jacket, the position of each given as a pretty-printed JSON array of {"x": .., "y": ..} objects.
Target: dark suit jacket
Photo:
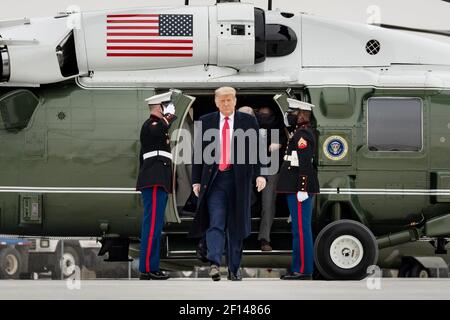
[{"x": 203, "y": 173}]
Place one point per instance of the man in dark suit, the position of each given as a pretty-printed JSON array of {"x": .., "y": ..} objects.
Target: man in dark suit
[
  {"x": 223, "y": 182},
  {"x": 155, "y": 181}
]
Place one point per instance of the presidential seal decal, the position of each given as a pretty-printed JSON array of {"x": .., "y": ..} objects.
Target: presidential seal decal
[{"x": 335, "y": 148}]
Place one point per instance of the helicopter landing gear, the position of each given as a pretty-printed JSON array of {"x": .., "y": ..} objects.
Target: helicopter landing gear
[{"x": 344, "y": 250}]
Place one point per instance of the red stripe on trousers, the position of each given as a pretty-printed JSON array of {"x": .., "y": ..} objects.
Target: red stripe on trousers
[
  {"x": 300, "y": 230},
  {"x": 152, "y": 230}
]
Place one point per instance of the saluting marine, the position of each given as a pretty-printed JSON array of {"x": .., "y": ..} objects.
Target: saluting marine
[
  {"x": 298, "y": 179},
  {"x": 155, "y": 181}
]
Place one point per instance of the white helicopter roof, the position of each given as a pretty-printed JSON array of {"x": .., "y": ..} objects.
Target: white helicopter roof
[{"x": 112, "y": 50}]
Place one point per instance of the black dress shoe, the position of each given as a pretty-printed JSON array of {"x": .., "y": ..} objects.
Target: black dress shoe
[
  {"x": 154, "y": 275},
  {"x": 296, "y": 276},
  {"x": 214, "y": 272},
  {"x": 234, "y": 276},
  {"x": 265, "y": 245}
]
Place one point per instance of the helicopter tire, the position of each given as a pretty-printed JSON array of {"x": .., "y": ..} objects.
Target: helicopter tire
[
  {"x": 413, "y": 270},
  {"x": 344, "y": 250}
]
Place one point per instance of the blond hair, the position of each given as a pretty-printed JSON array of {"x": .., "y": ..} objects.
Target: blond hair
[{"x": 225, "y": 90}]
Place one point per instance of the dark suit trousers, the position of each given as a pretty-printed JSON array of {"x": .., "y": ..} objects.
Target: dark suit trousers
[{"x": 221, "y": 201}]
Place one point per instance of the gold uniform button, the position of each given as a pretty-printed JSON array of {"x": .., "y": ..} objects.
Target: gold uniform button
[{"x": 289, "y": 168}]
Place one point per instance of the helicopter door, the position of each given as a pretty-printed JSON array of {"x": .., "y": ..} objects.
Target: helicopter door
[
  {"x": 178, "y": 144},
  {"x": 281, "y": 100}
]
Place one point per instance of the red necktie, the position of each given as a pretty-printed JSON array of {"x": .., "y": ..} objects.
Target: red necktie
[{"x": 225, "y": 152}]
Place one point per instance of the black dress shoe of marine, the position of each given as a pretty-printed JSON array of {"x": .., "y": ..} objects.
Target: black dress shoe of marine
[
  {"x": 296, "y": 276},
  {"x": 154, "y": 275},
  {"x": 234, "y": 276}
]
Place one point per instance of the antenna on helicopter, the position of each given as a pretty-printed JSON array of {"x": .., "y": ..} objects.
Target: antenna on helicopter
[{"x": 223, "y": 1}]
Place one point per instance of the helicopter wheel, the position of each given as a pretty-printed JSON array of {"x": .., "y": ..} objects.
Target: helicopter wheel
[
  {"x": 344, "y": 250},
  {"x": 413, "y": 270}
]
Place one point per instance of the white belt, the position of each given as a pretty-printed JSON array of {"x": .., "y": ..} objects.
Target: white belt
[
  {"x": 293, "y": 159},
  {"x": 157, "y": 153}
]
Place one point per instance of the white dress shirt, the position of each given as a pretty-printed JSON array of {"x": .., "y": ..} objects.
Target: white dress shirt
[
  {"x": 231, "y": 125},
  {"x": 221, "y": 124}
]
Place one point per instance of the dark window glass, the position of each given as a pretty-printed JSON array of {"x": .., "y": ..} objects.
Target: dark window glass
[
  {"x": 16, "y": 109},
  {"x": 395, "y": 124},
  {"x": 67, "y": 58},
  {"x": 280, "y": 40},
  {"x": 260, "y": 36}
]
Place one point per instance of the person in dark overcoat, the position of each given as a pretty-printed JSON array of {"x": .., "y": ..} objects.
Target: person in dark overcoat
[{"x": 222, "y": 173}]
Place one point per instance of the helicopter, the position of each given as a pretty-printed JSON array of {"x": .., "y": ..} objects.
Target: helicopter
[{"x": 72, "y": 102}]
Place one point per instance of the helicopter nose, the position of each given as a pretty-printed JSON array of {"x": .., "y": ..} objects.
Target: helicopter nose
[{"x": 5, "y": 70}]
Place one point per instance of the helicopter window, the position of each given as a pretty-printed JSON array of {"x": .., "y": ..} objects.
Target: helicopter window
[
  {"x": 280, "y": 40},
  {"x": 395, "y": 124},
  {"x": 67, "y": 57},
  {"x": 260, "y": 35},
  {"x": 16, "y": 109}
]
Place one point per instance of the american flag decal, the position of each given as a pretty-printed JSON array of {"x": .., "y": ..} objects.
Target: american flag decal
[{"x": 149, "y": 35}]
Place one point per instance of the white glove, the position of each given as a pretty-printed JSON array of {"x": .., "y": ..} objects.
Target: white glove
[
  {"x": 169, "y": 109},
  {"x": 302, "y": 196}
]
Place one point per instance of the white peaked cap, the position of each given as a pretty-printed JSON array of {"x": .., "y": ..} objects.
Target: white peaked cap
[
  {"x": 159, "y": 98},
  {"x": 301, "y": 105}
]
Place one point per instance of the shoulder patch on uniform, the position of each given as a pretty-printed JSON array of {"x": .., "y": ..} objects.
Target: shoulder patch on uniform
[{"x": 302, "y": 143}]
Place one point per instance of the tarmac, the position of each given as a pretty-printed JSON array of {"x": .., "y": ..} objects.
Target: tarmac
[{"x": 205, "y": 289}]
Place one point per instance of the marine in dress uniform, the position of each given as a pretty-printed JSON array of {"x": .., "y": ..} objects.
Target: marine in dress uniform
[
  {"x": 298, "y": 180},
  {"x": 155, "y": 181}
]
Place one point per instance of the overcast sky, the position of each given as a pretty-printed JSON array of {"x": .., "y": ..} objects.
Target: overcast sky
[{"x": 432, "y": 14}]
